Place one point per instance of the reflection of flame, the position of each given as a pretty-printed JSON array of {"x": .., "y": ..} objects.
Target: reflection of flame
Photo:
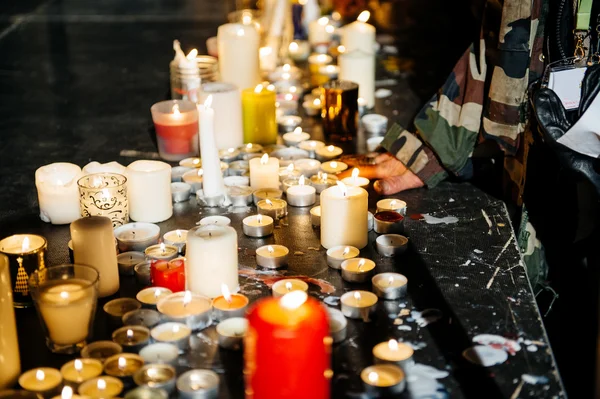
[
  {"x": 341, "y": 49},
  {"x": 101, "y": 384},
  {"x": 288, "y": 97},
  {"x": 324, "y": 177},
  {"x": 364, "y": 16},
  {"x": 373, "y": 377},
  {"x": 196, "y": 161},
  {"x": 393, "y": 345},
  {"x": 162, "y": 247},
  {"x": 333, "y": 164},
  {"x": 40, "y": 375},
  {"x": 157, "y": 293},
  {"x": 270, "y": 249},
  {"x": 290, "y": 167},
  {"x": 264, "y": 159},
  {"x": 175, "y": 329},
  {"x": 152, "y": 373},
  {"x": 187, "y": 298},
  {"x": 230, "y": 150},
  {"x": 249, "y": 145},
  {"x": 226, "y": 293},
  {"x": 288, "y": 286},
  {"x": 330, "y": 148},
  {"x": 122, "y": 363},
  {"x": 317, "y": 102},
  {"x": 392, "y": 203},
  {"x": 25, "y": 245},
  {"x": 293, "y": 300},
  {"x": 64, "y": 295},
  {"x": 178, "y": 232}
]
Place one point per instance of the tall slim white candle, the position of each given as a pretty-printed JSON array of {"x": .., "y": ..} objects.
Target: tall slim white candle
[
  {"x": 344, "y": 216},
  {"x": 212, "y": 184}
]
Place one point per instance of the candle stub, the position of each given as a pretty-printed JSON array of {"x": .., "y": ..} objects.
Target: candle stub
[
  {"x": 136, "y": 236},
  {"x": 315, "y": 216},
  {"x": 391, "y": 244},
  {"x": 287, "y": 285},
  {"x": 393, "y": 352},
  {"x": 275, "y": 208},
  {"x": 156, "y": 376},
  {"x": 160, "y": 352},
  {"x": 132, "y": 338},
  {"x": 386, "y": 380},
  {"x": 389, "y": 285},
  {"x": 43, "y": 380},
  {"x": 123, "y": 365},
  {"x": 258, "y": 226},
  {"x": 392, "y": 204},
  {"x": 79, "y": 370},
  {"x": 340, "y": 253},
  {"x": 357, "y": 270},
  {"x": 195, "y": 384},
  {"x": 359, "y": 305},
  {"x": 190, "y": 309},
  {"x": 177, "y": 334},
  {"x": 272, "y": 256},
  {"x": 229, "y": 305},
  {"x": 231, "y": 332},
  {"x": 118, "y": 307}
]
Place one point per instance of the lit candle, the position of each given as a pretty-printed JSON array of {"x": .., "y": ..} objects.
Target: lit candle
[
  {"x": 286, "y": 72},
  {"x": 58, "y": 195},
  {"x": 311, "y": 146},
  {"x": 252, "y": 148},
  {"x": 393, "y": 352},
  {"x": 193, "y": 162},
  {"x": 301, "y": 195},
  {"x": 79, "y": 370},
  {"x": 287, "y": 123},
  {"x": 391, "y": 244},
  {"x": 127, "y": 261},
  {"x": 337, "y": 325},
  {"x": 315, "y": 61},
  {"x": 296, "y": 137},
  {"x": 340, "y": 253},
  {"x": 194, "y": 178},
  {"x": 230, "y": 154},
  {"x": 229, "y": 305},
  {"x": 344, "y": 216},
  {"x": 177, "y": 334},
  {"x": 136, "y": 236},
  {"x": 231, "y": 332},
  {"x": 287, "y": 348},
  {"x": 150, "y": 296},
  {"x": 264, "y": 172},
  {"x": 212, "y": 260},
  {"x": 299, "y": 50},
  {"x": 104, "y": 387},
  {"x": 258, "y": 226},
  {"x": 390, "y": 285},
  {"x": 10, "y": 361},
  {"x": 227, "y": 106},
  {"x": 190, "y": 309},
  {"x": 176, "y": 124},
  {"x": 318, "y": 33},
  {"x": 328, "y": 153},
  {"x": 355, "y": 180},
  {"x": 357, "y": 270},
  {"x": 287, "y": 285},
  {"x": 67, "y": 393},
  {"x": 149, "y": 191},
  {"x": 156, "y": 376},
  {"x": 212, "y": 184},
  {"x": 275, "y": 208},
  {"x": 385, "y": 380},
  {"x": 43, "y": 380},
  {"x": 322, "y": 181},
  {"x": 197, "y": 384},
  {"x": 288, "y": 171},
  {"x": 177, "y": 173},
  {"x": 329, "y": 71},
  {"x": 131, "y": 339},
  {"x": 272, "y": 256},
  {"x": 259, "y": 118},
  {"x": 391, "y": 204},
  {"x": 313, "y": 107},
  {"x": 359, "y": 305},
  {"x": 238, "y": 42},
  {"x": 168, "y": 274},
  {"x": 101, "y": 350},
  {"x": 160, "y": 352},
  {"x": 388, "y": 222},
  {"x": 376, "y": 125},
  {"x": 359, "y": 67},
  {"x": 307, "y": 166},
  {"x": 116, "y": 308},
  {"x": 359, "y": 35},
  {"x": 161, "y": 252},
  {"x": 176, "y": 238},
  {"x": 315, "y": 216}
]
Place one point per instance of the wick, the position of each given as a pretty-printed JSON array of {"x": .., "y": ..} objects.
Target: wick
[{"x": 209, "y": 234}]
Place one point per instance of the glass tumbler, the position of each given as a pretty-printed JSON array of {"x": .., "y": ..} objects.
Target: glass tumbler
[
  {"x": 339, "y": 110},
  {"x": 65, "y": 297},
  {"x": 176, "y": 124},
  {"x": 104, "y": 194}
]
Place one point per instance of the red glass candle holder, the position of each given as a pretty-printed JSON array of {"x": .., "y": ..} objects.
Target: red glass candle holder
[
  {"x": 168, "y": 274},
  {"x": 176, "y": 124}
]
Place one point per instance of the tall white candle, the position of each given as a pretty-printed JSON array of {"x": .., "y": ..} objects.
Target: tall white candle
[
  {"x": 211, "y": 260},
  {"x": 359, "y": 67},
  {"x": 264, "y": 172},
  {"x": 359, "y": 35},
  {"x": 344, "y": 216},
  {"x": 149, "y": 191},
  {"x": 227, "y": 106},
  {"x": 58, "y": 194},
  {"x": 10, "y": 361},
  {"x": 320, "y": 31},
  {"x": 212, "y": 183},
  {"x": 238, "y": 55}
]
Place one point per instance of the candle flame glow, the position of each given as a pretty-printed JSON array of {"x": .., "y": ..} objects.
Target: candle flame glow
[
  {"x": 293, "y": 89},
  {"x": 162, "y": 247},
  {"x": 323, "y": 21},
  {"x": 346, "y": 251},
  {"x": 175, "y": 110},
  {"x": 200, "y": 172},
  {"x": 270, "y": 249},
  {"x": 329, "y": 29},
  {"x": 64, "y": 295},
  {"x": 336, "y": 16},
  {"x": 152, "y": 373},
  {"x": 322, "y": 58},
  {"x": 290, "y": 167},
  {"x": 341, "y": 49},
  {"x": 333, "y": 164},
  {"x": 258, "y": 88},
  {"x": 313, "y": 144},
  {"x": 293, "y": 47},
  {"x": 361, "y": 102},
  {"x": 297, "y": 130},
  {"x": 78, "y": 365},
  {"x": 271, "y": 87},
  {"x": 288, "y": 286},
  {"x": 324, "y": 178},
  {"x": 393, "y": 345},
  {"x": 259, "y": 219},
  {"x": 249, "y": 145},
  {"x": 66, "y": 393},
  {"x": 246, "y": 19},
  {"x": 269, "y": 202},
  {"x": 264, "y": 159},
  {"x": 361, "y": 263},
  {"x": 122, "y": 363},
  {"x": 286, "y": 76},
  {"x": 391, "y": 280},
  {"x": 317, "y": 102},
  {"x": 330, "y": 148},
  {"x": 373, "y": 377},
  {"x": 208, "y": 102},
  {"x": 196, "y": 161},
  {"x": 286, "y": 67},
  {"x": 288, "y": 97},
  {"x": 25, "y": 245},
  {"x": 157, "y": 293},
  {"x": 301, "y": 180},
  {"x": 293, "y": 300},
  {"x": 101, "y": 384},
  {"x": 357, "y": 296},
  {"x": 175, "y": 329},
  {"x": 192, "y": 54},
  {"x": 187, "y": 298},
  {"x": 230, "y": 150},
  {"x": 226, "y": 293},
  {"x": 40, "y": 375},
  {"x": 355, "y": 173},
  {"x": 392, "y": 203},
  {"x": 241, "y": 32},
  {"x": 129, "y": 334},
  {"x": 178, "y": 232},
  {"x": 364, "y": 16},
  {"x": 343, "y": 188}
]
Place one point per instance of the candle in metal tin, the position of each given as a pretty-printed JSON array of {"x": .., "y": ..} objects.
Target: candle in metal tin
[
  {"x": 211, "y": 202},
  {"x": 177, "y": 334},
  {"x": 389, "y": 285},
  {"x": 322, "y": 181},
  {"x": 272, "y": 256},
  {"x": 194, "y": 178},
  {"x": 148, "y": 318},
  {"x": 356, "y": 180},
  {"x": 296, "y": 137},
  {"x": 290, "y": 182},
  {"x": 240, "y": 195},
  {"x": 287, "y": 285},
  {"x": 392, "y": 204},
  {"x": 116, "y": 308},
  {"x": 150, "y": 296},
  {"x": 185, "y": 307},
  {"x": 337, "y": 255},
  {"x": 385, "y": 380},
  {"x": 104, "y": 387},
  {"x": 239, "y": 181},
  {"x": 315, "y": 216},
  {"x": 79, "y": 370},
  {"x": 340, "y": 110},
  {"x": 311, "y": 146},
  {"x": 162, "y": 252},
  {"x": 123, "y": 365},
  {"x": 229, "y": 305},
  {"x": 238, "y": 168},
  {"x": 328, "y": 153},
  {"x": 286, "y": 172},
  {"x": 375, "y": 124},
  {"x": 266, "y": 193},
  {"x": 132, "y": 338},
  {"x": 146, "y": 393},
  {"x": 177, "y": 173},
  {"x": 337, "y": 325},
  {"x": 142, "y": 273},
  {"x": 20, "y": 394},
  {"x": 276, "y": 208},
  {"x": 128, "y": 260},
  {"x": 215, "y": 221},
  {"x": 251, "y": 148},
  {"x": 299, "y": 50},
  {"x": 333, "y": 167},
  {"x": 66, "y": 393},
  {"x": 359, "y": 305},
  {"x": 301, "y": 195},
  {"x": 193, "y": 162},
  {"x": 229, "y": 155},
  {"x": 307, "y": 166},
  {"x": 287, "y": 123},
  {"x": 394, "y": 352},
  {"x": 389, "y": 222},
  {"x": 198, "y": 384},
  {"x": 257, "y": 226},
  {"x": 231, "y": 332},
  {"x": 180, "y": 192},
  {"x": 101, "y": 350},
  {"x": 136, "y": 236},
  {"x": 176, "y": 238},
  {"x": 43, "y": 380},
  {"x": 156, "y": 376},
  {"x": 357, "y": 270},
  {"x": 391, "y": 244},
  {"x": 160, "y": 352},
  {"x": 248, "y": 157}
]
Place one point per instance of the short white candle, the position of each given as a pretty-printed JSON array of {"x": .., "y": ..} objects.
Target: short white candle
[
  {"x": 215, "y": 221},
  {"x": 162, "y": 252},
  {"x": 299, "y": 50},
  {"x": 296, "y": 137},
  {"x": 331, "y": 71},
  {"x": 79, "y": 370},
  {"x": 358, "y": 304},
  {"x": 58, "y": 194},
  {"x": 328, "y": 153},
  {"x": 177, "y": 334},
  {"x": 392, "y": 204},
  {"x": 180, "y": 192},
  {"x": 288, "y": 171},
  {"x": 149, "y": 191},
  {"x": 313, "y": 107},
  {"x": 311, "y": 146},
  {"x": 104, "y": 387},
  {"x": 136, "y": 236},
  {"x": 356, "y": 180},
  {"x": 258, "y": 226},
  {"x": 322, "y": 181},
  {"x": 231, "y": 332},
  {"x": 275, "y": 208},
  {"x": 272, "y": 256},
  {"x": 264, "y": 172},
  {"x": 344, "y": 216},
  {"x": 333, "y": 167},
  {"x": 151, "y": 295},
  {"x": 307, "y": 166},
  {"x": 301, "y": 195},
  {"x": 394, "y": 352},
  {"x": 357, "y": 270},
  {"x": 188, "y": 308},
  {"x": 177, "y": 238},
  {"x": 340, "y": 253},
  {"x": 282, "y": 287},
  {"x": 194, "y": 178}
]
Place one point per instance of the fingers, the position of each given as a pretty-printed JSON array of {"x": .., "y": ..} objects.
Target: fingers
[
  {"x": 386, "y": 156},
  {"x": 395, "y": 184}
]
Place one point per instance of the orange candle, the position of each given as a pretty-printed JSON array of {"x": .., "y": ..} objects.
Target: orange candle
[{"x": 229, "y": 305}]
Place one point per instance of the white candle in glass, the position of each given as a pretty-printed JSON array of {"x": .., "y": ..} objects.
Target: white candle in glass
[
  {"x": 227, "y": 106},
  {"x": 212, "y": 184},
  {"x": 359, "y": 67},
  {"x": 344, "y": 216},
  {"x": 238, "y": 55},
  {"x": 10, "y": 361},
  {"x": 359, "y": 35},
  {"x": 211, "y": 260},
  {"x": 264, "y": 172},
  {"x": 149, "y": 191},
  {"x": 58, "y": 194}
]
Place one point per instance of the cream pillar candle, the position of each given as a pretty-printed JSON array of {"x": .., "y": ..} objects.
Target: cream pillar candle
[
  {"x": 264, "y": 172},
  {"x": 320, "y": 32},
  {"x": 10, "y": 361},
  {"x": 58, "y": 194},
  {"x": 238, "y": 55},
  {"x": 359, "y": 67},
  {"x": 359, "y": 35},
  {"x": 212, "y": 183},
  {"x": 149, "y": 190},
  {"x": 94, "y": 245},
  {"x": 227, "y": 106},
  {"x": 211, "y": 260},
  {"x": 344, "y": 216}
]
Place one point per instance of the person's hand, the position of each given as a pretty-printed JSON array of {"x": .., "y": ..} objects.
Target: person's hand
[{"x": 394, "y": 176}]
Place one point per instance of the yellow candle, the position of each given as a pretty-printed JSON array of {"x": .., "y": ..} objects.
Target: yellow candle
[
  {"x": 258, "y": 109},
  {"x": 101, "y": 387},
  {"x": 10, "y": 362},
  {"x": 40, "y": 380}
]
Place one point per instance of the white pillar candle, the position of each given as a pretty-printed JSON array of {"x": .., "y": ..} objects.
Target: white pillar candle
[
  {"x": 212, "y": 260},
  {"x": 264, "y": 172},
  {"x": 344, "y": 216},
  {"x": 212, "y": 184},
  {"x": 149, "y": 190},
  {"x": 359, "y": 35},
  {"x": 227, "y": 106},
  {"x": 109, "y": 167},
  {"x": 355, "y": 180},
  {"x": 301, "y": 194},
  {"x": 238, "y": 55},
  {"x": 58, "y": 194},
  {"x": 10, "y": 361},
  {"x": 320, "y": 31},
  {"x": 359, "y": 67}
]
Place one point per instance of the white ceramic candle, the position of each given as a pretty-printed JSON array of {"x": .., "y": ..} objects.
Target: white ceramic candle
[
  {"x": 359, "y": 67},
  {"x": 392, "y": 204},
  {"x": 344, "y": 216},
  {"x": 301, "y": 195},
  {"x": 211, "y": 260},
  {"x": 264, "y": 172},
  {"x": 58, "y": 194},
  {"x": 282, "y": 287},
  {"x": 149, "y": 191},
  {"x": 359, "y": 35},
  {"x": 227, "y": 106},
  {"x": 328, "y": 153},
  {"x": 212, "y": 184},
  {"x": 333, "y": 167},
  {"x": 238, "y": 55},
  {"x": 296, "y": 137},
  {"x": 356, "y": 180},
  {"x": 128, "y": 260},
  {"x": 176, "y": 238},
  {"x": 10, "y": 361}
]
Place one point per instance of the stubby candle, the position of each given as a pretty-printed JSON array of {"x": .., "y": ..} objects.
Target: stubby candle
[
  {"x": 161, "y": 252},
  {"x": 150, "y": 296},
  {"x": 388, "y": 222},
  {"x": 43, "y": 380},
  {"x": 160, "y": 352},
  {"x": 311, "y": 146},
  {"x": 123, "y": 365},
  {"x": 392, "y": 204},
  {"x": 385, "y": 380},
  {"x": 301, "y": 195},
  {"x": 359, "y": 67},
  {"x": 190, "y": 309},
  {"x": 308, "y": 167},
  {"x": 296, "y": 137},
  {"x": 58, "y": 195},
  {"x": 156, "y": 376},
  {"x": 287, "y": 285},
  {"x": 101, "y": 350},
  {"x": 337, "y": 255},
  {"x": 229, "y": 305},
  {"x": 266, "y": 193},
  {"x": 215, "y": 221},
  {"x": 176, "y": 238},
  {"x": 328, "y": 153},
  {"x": 322, "y": 181},
  {"x": 116, "y": 308},
  {"x": 79, "y": 370},
  {"x": 264, "y": 172},
  {"x": 194, "y": 178},
  {"x": 142, "y": 317},
  {"x": 357, "y": 270},
  {"x": 389, "y": 285},
  {"x": 258, "y": 226},
  {"x": 168, "y": 274},
  {"x": 272, "y": 256},
  {"x": 231, "y": 332},
  {"x": 198, "y": 384},
  {"x": 393, "y": 352},
  {"x": 131, "y": 338},
  {"x": 10, "y": 361},
  {"x": 259, "y": 116},
  {"x": 355, "y": 180},
  {"x": 358, "y": 305},
  {"x": 319, "y": 32},
  {"x": 149, "y": 191},
  {"x": 105, "y": 387},
  {"x": 344, "y": 216},
  {"x": 275, "y": 208},
  {"x": 136, "y": 236},
  {"x": 128, "y": 260},
  {"x": 333, "y": 167}
]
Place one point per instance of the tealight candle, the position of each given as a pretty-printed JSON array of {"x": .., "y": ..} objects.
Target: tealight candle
[
  {"x": 148, "y": 318},
  {"x": 328, "y": 153},
  {"x": 161, "y": 252},
  {"x": 375, "y": 124},
  {"x": 160, "y": 352},
  {"x": 393, "y": 352},
  {"x": 258, "y": 226},
  {"x": 272, "y": 256},
  {"x": 101, "y": 350},
  {"x": 357, "y": 270},
  {"x": 146, "y": 393},
  {"x": 149, "y": 297},
  {"x": 194, "y": 178},
  {"x": 391, "y": 204},
  {"x": 156, "y": 376},
  {"x": 238, "y": 168},
  {"x": 176, "y": 238},
  {"x": 275, "y": 208},
  {"x": 289, "y": 182},
  {"x": 104, "y": 387},
  {"x": 43, "y": 380},
  {"x": 337, "y": 325},
  {"x": 298, "y": 50},
  {"x": 177, "y": 334},
  {"x": 198, "y": 384},
  {"x": 287, "y": 285},
  {"x": 229, "y": 305},
  {"x": 66, "y": 393},
  {"x": 239, "y": 181},
  {"x": 193, "y": 162},
  {"x": 333, "y": 167},
  {"x": 116, "y": 308},
  {"x": 355, "y": 180},
  {"x": 388, "y": 222},
  {"x": 359, "y": 305},
  {"x": 168, "y": 274},
  {"x": 79, "y": 370},
  {"x": 391, "y": 244},
  {"x": 240, "y": 196},
  {"x": 177, "y": 173},
  {"x": 301, "y": 195},
  {"x": 264, "y": 172},
  {"x": 312, "y": 108},
  {"x": 288, "y": 123},
  {"x": 285, "y": 172},
  {"x": 229, "y": 155},
  {"x": 231, "y": 332},
  {"x": 307, "y": 167},
  {"x": 180, "y": 192},
  {"x": 128, "y": 260},
  {"x": 383, "y": 380},
  {"x": 123, "y": 365},
  {"x": 311, "y": 146},
  {"x": 251, "y": 148},
  {"x": 296, "y": 137},
  {"x": 190, "y": 309},
  {"x": 131, "y": 338},
  {"x": 142, "y": 272},
  {"x": 322, "y": 181},
  {"x": 338, "y": 254},
  {"x": 389, "y": 285},
  {"x": 136, "y": 236}
]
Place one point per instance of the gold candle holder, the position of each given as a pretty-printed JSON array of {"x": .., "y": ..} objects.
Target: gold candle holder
[
  {"x": 104, "y": 194},
  {"x": 339, "y": 102},
  {"x": 26, "y": 253}
]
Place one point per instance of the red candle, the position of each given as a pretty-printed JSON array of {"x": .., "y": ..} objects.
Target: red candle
[
  {"x": 176, "y": 124},
  {"x": 177, "y": 139},
  {"x": 168, "y": 274},
  {"x": 287, "y": 349}
]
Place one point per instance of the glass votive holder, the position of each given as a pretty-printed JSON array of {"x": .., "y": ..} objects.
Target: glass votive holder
[
  {"x": 339, "y": 102},
  {"x": 65, "y": 297},
  {"x": 176, "y": 124},
  {"x": 104, "y": 194}
]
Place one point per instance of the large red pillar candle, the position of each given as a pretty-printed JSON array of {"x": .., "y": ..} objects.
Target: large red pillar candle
[
  {"x": 168, "y": 274},
  {"x": 287, "y": 349},
  {"x": 176, "y": 124}
]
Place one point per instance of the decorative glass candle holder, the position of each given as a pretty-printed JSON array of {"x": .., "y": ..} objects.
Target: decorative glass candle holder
[
  {"x": 65, "y": 297},
  {"x": 339, "y": 110},
  {"x": 104, "y": 194},
  {"x": 176, "y": 124}
]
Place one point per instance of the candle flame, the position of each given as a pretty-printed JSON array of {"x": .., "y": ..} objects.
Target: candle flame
[
  {"x": 293, "y": 46},
  {"x": 178, "y": 232},
  {"x": 333, "y": 164},
  {"x": 330, "y": 68},
  {"x": 317, "y": 102},
  {"x": 175, "y": 110},
  {"x": 373, "y": 377},
  {"x": 40, "y": 375},
  {"x": 230, "y": 150},
  {"x": 330, "y": 148},
  {"x": 346, "y": 251},
  {"x": 25, "y": 245},
  {"x": 288, "y": 286},
  {"x": 129, "y": 334},
  {"x": 258, "y": 88},
  {"x": 259, "y": 219},
  {"x": 241, "y": 32},
  {"x": 59, "y": 182},
  {"x": 361, "y": 102},
  {"x": 343, "y": 188},
  {"x": 187, "y": 298},
  {"x": 249, "y": 145},
  {"x": 288, "y": 97},
  {"x": 271, "y": 87},
  {"x": 152, "y": 373},
  {"x": 341, "y": 49},
  {"x": 336, "y": 16},
  {"x": 329, "y": 29},
  {"x": 192, "y": 54},
  {"x": 162, "y": 247},
  {"x": 298, "y": 130},
  {"x": 301, "y": 180},
  {"x": 264, "y": 51},
  {"x": 122, "y": 363},
  {"x": 101, "y": 384},
  {"x": 286, "y": 67},
  {"x": 200, "y": 172},
  {"x": 391, "y": 280},
  {"x": 269, "y": 202},
  {"x": 324, "y": 177},
  {"x": 270, "y": 249},
  {"x": 66, "y": 393},
  {"x": 355, "y": 173},
  {"x": 78, "y": 364},
  {"x": 392, "y": 203},
  {"x": 290, "y": 167},
  {"x": 323, "y": 21},
  {"x": 322, "y": 58},
  {"x": 175, "y": 328},
  {"x": 361, "y": 263},
  {"x": 196, "y": 161},
  {"x": 246, "y": 19},
  {"x": 293, "y": 89},
  {"x": 293, "y": 300},
  {"x": 264, "y": 159},
  {"x": 357, "y": 296},
  {"x": 208, "y": 102},
  {"x": 313, "y": 144},
  {"x": 364, "y": 16},
  {"x": 226, "y": 293},
  {"x": 393, "y": 345},
  {"x": 286, "y": 76},
  {"x": 64, "y": 295},
  {"x": 157, "y": 293}
]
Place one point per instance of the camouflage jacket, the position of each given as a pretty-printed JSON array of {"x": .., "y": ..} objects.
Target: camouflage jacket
[{"x": 484, "y": 98}]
